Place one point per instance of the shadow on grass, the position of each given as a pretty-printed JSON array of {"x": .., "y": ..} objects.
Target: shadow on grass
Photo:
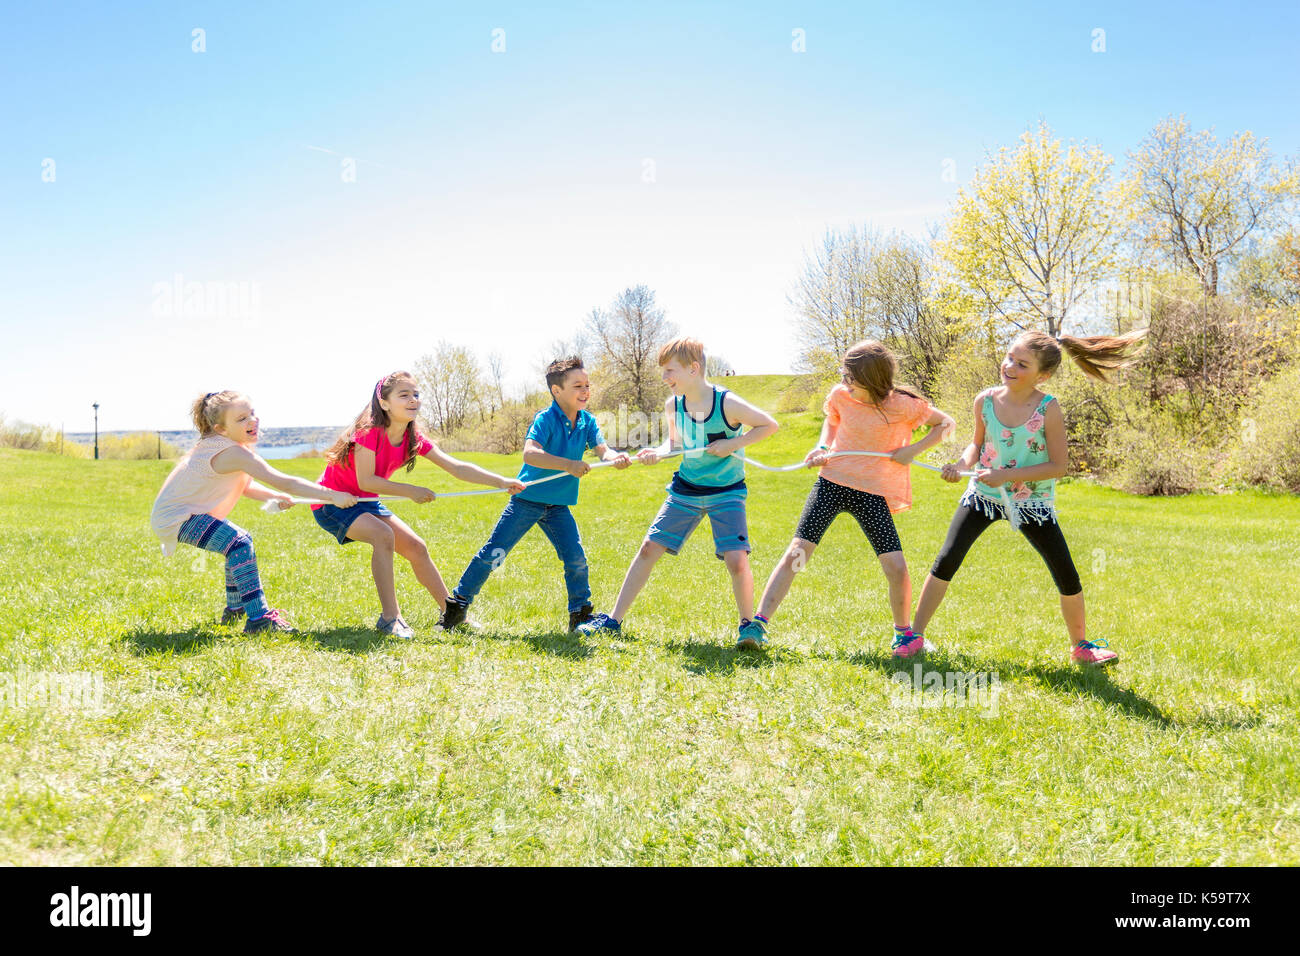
[
  {"x": 556, "y": 643},
  {"x": 701, "y": 658},
  {"x": 351, "y": 640},
  {"x": 144, "y": 642},
  {"x": 1066, "y": 677}
]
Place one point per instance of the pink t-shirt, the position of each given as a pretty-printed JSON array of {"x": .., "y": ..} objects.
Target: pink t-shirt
[
  {"x": 388, "y": 458},
  {"x": 861, "y": 427}
]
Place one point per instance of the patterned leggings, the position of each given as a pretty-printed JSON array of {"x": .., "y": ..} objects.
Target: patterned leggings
[{"x": 243, "y": 583}]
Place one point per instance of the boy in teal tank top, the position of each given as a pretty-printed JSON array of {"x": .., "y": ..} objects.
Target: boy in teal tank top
[{"x": 707, "y": 424}]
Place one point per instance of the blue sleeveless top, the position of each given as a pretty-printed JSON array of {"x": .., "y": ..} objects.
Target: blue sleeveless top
[{"x": 700, "y": 473}]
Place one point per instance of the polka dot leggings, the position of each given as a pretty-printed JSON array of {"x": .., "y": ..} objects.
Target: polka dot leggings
[{"x": 827, "y": 501}]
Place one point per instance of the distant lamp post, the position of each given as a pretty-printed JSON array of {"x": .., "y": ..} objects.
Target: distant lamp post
[{"x": 95, "y": 406}]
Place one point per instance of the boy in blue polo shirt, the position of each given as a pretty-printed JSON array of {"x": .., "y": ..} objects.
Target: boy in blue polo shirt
[{"x": 556, "y": 442}]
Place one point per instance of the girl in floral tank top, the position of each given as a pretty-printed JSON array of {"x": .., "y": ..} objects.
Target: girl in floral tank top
[{"x": 1020, "y": 446}]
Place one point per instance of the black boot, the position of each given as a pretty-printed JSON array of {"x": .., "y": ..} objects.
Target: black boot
[
  {"x": 454, "y": 615},
  {"x": 581, "y": 616}
]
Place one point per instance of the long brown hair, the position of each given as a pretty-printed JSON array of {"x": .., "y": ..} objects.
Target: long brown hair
[
  {"x": 1095, "y": 354},
  {"x": 374, "y": 416},
  {"x": 873, "y": 367}
]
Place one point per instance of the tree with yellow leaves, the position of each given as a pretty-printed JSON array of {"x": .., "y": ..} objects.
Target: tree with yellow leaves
[
  {"x": 1195, "y": 201},
  {"x": 1034, "y": 232}
]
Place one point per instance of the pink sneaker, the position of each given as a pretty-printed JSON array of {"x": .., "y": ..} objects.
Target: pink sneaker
[
  {"x": 908, "y": 644},
  {"x": 1093, "y": 654}
]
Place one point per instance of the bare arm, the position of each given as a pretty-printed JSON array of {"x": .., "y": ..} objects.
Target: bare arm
[
  {"x": 971, "y": 454},
  {"x": 536, "y": 456},
  {"x": 761, "y": 425},
  {"x": 262, "y": 493},
  {"x": 364, "y": 460},
  {"x": 618, "y": 458},
  {"x": 821, "y": 454},
  {"x": 940, "y": 424},
  {"x": 466, "y": 471},
  {"x": 237, "y": 458},
  {"x": 648, "y": 456}
]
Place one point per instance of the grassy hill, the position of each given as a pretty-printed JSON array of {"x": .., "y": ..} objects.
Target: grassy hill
[{"x": 518, "y": 743}]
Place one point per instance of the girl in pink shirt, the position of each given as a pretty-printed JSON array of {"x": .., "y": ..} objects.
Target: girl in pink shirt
[
  {"x": 867, "y": 412},
  {"x": 383, "y": 439},
  {"x": 204, "y": 487}
]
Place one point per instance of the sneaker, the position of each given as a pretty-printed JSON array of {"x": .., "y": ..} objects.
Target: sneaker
[
  {"x": 454, "y": 615},
  {"x": 233, "y": 615},
  {"x": 600, "y": 624},
  {"x": 1093, "y": 654},
  {"x": 396, "y": 627},
  {"x": 580, "y": 616},
  {"x": 272, "y": 620},
  {"x": 752, "y": 636},
  {"x": 908, "y": 644}
]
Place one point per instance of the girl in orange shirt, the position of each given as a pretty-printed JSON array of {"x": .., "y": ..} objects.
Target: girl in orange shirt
[{"x": 865, "y": 413}]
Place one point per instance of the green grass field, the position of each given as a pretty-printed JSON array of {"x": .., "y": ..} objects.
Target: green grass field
[{"x": 518, "y": 743}]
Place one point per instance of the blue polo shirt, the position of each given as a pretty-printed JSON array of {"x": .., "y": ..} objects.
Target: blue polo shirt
[{"x": 551, "y": 430}]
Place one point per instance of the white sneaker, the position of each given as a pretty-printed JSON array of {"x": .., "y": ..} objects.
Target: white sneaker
[{"x": 396, "y": 627}]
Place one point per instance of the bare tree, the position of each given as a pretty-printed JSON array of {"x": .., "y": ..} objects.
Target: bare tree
[
  {"x": 627, "y": 337},
  {"x": 717, "y": 365},
  {"x": 496, "y": 379},
  {"x": 832, "y": 298},
  {"x": 578, "y": 345},
  {"x": 1196, "y": 201},
  {"x": 452, "y": 386},
  {"x": 858, "y": 285},
  {"x": 903, "y": 282}
]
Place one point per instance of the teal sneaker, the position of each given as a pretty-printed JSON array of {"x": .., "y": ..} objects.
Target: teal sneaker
[
  {"x": 752, "y": 636},
  {"x": 600, "y": 624}
]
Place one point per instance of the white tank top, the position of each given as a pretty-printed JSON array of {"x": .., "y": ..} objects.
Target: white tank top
[{"x": 193, "y": 488}]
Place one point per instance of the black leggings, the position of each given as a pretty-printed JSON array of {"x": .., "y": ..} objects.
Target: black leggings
[{"x": 1047, "y": 539}]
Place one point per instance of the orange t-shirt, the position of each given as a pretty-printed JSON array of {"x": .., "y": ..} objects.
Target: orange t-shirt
[{"x": 861, "y": 427}]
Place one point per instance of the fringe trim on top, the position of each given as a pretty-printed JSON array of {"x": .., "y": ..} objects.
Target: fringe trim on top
[{"x": 1039, "y": 512}]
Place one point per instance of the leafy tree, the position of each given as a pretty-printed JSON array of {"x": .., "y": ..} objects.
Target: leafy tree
[
  {"x": 1195, "y": 201},
  {"x": 1035, "y": 231}
]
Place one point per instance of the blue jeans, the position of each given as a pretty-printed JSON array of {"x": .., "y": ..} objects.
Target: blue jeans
[{"x": 557, "y": 524}]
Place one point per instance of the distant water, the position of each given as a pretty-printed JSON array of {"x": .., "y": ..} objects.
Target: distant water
[{"x": 286, "y": 451}]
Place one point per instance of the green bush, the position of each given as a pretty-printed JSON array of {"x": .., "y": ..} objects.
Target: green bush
[
  {"x": 26, "y": 437},
  {"x": 1267, "y": 450},
  {"x": 136, "y": 446},
  {"x": 1149, "y": 457},
  {"x": 806, "y": 391}
]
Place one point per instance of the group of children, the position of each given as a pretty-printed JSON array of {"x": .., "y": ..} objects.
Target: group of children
[{"x": 708, "y": 426}]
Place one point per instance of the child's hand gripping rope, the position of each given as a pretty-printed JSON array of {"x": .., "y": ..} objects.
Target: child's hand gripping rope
[
  {"x": 275, "y": 505},
  {"x": 649, "y": 456}
]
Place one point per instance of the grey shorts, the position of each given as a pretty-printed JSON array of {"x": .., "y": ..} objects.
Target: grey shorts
[{"x": 680, "y": 515}]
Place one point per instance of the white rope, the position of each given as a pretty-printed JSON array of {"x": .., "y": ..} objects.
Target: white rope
[
  {"x": 274, "y": 506},
  {"x": 838, "y": 454}
]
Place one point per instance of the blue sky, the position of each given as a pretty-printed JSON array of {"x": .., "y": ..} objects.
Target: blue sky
[{"x": 498, "y": 197}]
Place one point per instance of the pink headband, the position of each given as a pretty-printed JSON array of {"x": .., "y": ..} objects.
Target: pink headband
[{"x": 379, "y": 385}]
